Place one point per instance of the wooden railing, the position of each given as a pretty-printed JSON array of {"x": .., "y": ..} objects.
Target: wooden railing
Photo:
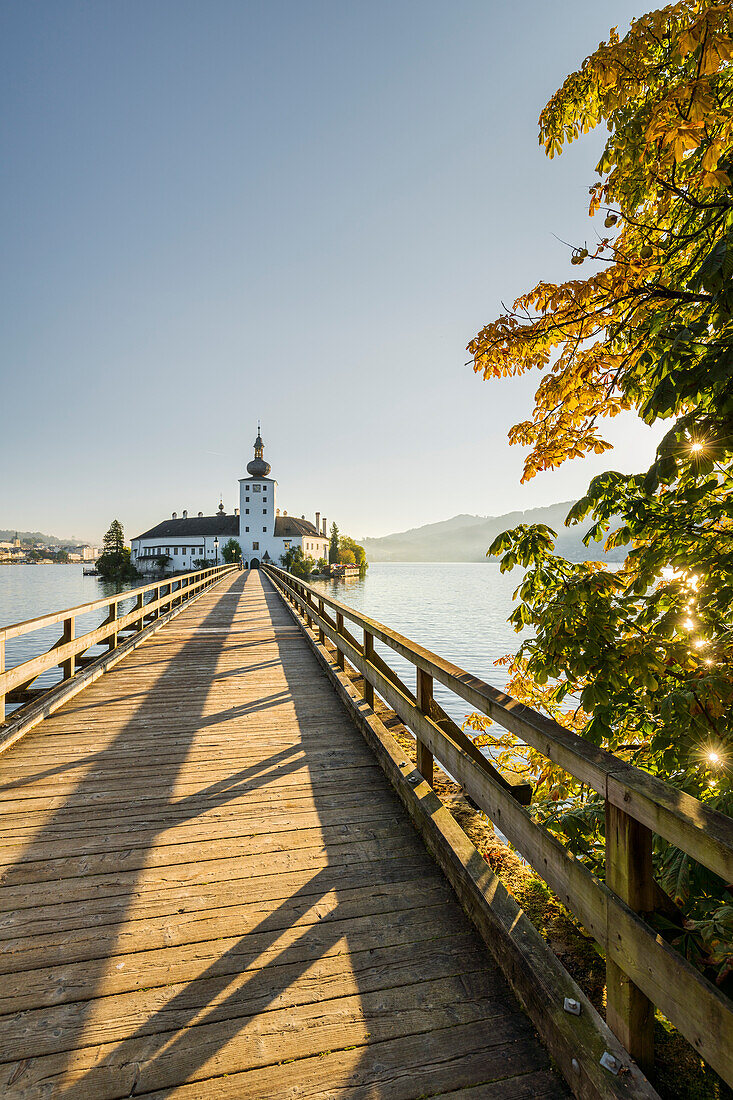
[
  {"x": 151, "y": 602},
  {"x": 643, "y": 970}
]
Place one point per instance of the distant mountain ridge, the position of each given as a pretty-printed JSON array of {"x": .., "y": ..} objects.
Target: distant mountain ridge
[
  {"x": 467, "y": 538},
  {"x": 36, "y": 536}
]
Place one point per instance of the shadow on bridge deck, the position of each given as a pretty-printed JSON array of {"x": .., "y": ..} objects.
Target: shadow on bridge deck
[{"x": 210, "y": 890}]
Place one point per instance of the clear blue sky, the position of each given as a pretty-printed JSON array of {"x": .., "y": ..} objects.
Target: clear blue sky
[{"x": 301, "y": 211}]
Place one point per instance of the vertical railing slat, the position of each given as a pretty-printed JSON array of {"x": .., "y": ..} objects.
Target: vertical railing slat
[
  {"x": 629, "y": 1013},
  {"x": 424, "y": 697},
  {"x": 368, "y": 652},
  {"x": 68, "y": 667},
  {"x": 340, "y": 629},
  {"x": 111, "y": 618}
]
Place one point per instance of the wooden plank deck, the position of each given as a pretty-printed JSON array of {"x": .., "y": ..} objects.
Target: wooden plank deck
[{"x": 210, "y": 890}]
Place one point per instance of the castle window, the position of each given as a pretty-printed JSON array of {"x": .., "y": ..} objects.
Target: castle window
[
  {"x": 246, "y": 510},
  {"x": 247, "y": 499},
  {"x": 201, "y": 550},
  {"x": 264, "y": 530},
  {"x": 246, "y": 528},
  {"x": 264, "y": 511},
  {"x": 255, "y": 545},
  {"x": 256, "y": 488}
]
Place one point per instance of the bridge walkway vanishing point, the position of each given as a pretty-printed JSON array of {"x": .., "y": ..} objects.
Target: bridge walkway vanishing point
[{"x": 209, "y": 889}]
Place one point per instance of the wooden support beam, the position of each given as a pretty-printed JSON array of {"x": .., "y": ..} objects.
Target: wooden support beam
[
  {"x": 68, "y": 667},
  {"x": 340, "y": 629},
  {"x": 321, "y": 635},
  {"x": 629, "y": 873},
  {"x": 112, "y": 616},
  {"x": 368, "y": 655},
  {"x": 424, "y": 697}
]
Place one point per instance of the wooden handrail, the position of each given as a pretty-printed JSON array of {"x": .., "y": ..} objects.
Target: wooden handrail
[
  {"x": 15, "y": 630},
  {"x": 643, "y": 969},
  {"x": 69, "y": 646},
  {"x": 705, "y": 834}
]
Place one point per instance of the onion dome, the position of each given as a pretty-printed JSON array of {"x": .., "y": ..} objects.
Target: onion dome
[{"x": 258, "y": 467}]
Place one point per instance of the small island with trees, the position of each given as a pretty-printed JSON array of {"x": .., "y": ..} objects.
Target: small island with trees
[{"x": 114, "y": 563}]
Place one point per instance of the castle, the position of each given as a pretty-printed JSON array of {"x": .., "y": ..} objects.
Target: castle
[{"x": 262, "y": 532}]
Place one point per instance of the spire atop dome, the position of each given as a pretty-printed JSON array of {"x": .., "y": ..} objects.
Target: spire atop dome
[{"x": 258, "y": 467}]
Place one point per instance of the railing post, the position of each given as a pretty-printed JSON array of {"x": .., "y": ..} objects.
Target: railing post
[
  {"x": 629, "y": 1013},
  {"x": 340, "y": 630},
  {"x": 68, "y": 667},
  {"x": 140, "y": 605},
  {"x": 321, "y": 635},
  {"x": 368, "y": 652},
  {"x": 112, "y": 640},
  {"x": 424, "y": 699}
]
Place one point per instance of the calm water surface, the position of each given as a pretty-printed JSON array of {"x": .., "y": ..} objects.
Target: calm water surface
[
  {"x": 458, "y": 610},
  {"x": 27, "y": 591}
]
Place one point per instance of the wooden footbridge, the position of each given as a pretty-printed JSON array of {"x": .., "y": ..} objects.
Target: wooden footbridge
[{"x": 222, "y": 875}]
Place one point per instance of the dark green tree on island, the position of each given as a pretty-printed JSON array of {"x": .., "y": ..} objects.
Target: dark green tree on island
[
  {"x": 296, "y": 562},
  {"x": 333, "y": 545},
  {"x": 114, "y": 562},
  {"x": 231, "y": 552}
]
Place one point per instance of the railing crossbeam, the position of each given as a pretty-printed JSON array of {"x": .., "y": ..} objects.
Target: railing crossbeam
[
  {"x": 629, "y": 873},
  {"x": 66, "y": 652},
  {"x": 643, "y": 970}
]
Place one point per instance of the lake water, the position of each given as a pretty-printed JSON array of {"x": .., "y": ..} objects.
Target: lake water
[
  {"x": 458, "y": 610},
  {"x": 27, "y": 591}
]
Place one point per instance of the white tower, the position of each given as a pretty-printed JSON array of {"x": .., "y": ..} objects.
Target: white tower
[{"x": 257, "y": 509}]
